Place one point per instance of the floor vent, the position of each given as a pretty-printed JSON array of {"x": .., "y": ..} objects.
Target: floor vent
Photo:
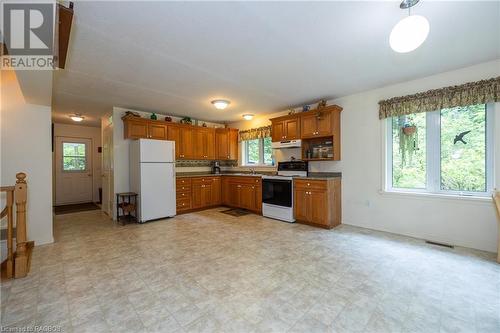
[{"x": 440, "y": 244}]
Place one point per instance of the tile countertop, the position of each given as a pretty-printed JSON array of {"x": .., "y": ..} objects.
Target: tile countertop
[{"x": 311, "y": 175}]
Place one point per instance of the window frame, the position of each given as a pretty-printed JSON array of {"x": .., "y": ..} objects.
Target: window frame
[
  {"x": 433, "y": 157},
  {"x": 85, "y": 157},
  {"x": 244, "y": 158}
]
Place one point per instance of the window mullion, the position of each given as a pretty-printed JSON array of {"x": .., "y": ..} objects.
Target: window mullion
[
  {"x": 433, "y": 144},
  {"x": 261, "y": 151}
]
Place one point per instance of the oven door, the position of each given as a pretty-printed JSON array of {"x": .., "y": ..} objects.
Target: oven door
[{"x": 277, "y": 192}]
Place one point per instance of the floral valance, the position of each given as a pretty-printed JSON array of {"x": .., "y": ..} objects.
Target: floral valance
[
  {"x": 481, "y": 92},
  {"x": 255, "y": 133}
]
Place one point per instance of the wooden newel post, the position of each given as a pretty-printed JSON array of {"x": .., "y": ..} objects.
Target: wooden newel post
[{"x": 20, "y": 195}]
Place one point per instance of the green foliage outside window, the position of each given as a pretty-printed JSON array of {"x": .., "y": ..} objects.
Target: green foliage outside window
[
  {"x": 462, "y": 163},
  {"x": 74, "y": 156}
]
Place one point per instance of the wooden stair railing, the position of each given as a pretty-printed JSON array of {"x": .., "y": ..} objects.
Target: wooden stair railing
[
  {"x": 496, "y": 199},
  {"x": 17, "y": 263}
]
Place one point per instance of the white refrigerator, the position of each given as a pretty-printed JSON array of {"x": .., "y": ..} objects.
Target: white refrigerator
[{"x": 152, "y": 177}]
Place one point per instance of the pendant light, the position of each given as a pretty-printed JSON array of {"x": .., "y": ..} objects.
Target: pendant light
[{"x": 409, "y": 33}]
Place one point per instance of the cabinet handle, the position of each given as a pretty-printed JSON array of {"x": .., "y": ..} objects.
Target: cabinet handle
[{"x": 308, "y": 184}]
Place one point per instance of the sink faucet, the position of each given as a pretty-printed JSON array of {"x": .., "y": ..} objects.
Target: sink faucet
[{"x": 252, "y": 171}]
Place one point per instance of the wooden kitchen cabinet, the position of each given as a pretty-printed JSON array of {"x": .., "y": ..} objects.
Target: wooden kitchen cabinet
[
  {"x": 140, "y": 128},
  {"x": 202, "y": 193},
  {"x": 285, "y": 128},
  {"x": 183, "y": 137},
  {"x": 194, "y": 193},
  {"x": 191, "y": 142},
  {"x": 320, "y": 123},
  {"x": 242, "y": 192},
  {"x": 183, "y": 194},
  {"x": 204, "y": 143},
  {"x": 216, "y": 191},
  {"x": 318, "y": 202},
  {"x": 226, "y": 144},
  {"x": 157, "y": 131}
]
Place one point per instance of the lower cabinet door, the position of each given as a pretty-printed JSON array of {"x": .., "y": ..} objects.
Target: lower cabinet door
[
  {"x": 234, "y": 194},
  {"x": 301, "y": 204},
  {"x": 247, "y": 197},
  {"x": 319, "y": 207},
  {"x": 216, "y": 192},
  {"x": 197, "y": 196}
]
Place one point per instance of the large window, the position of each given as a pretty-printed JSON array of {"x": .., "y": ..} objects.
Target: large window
[
  {"x": 445, "y": 151},
  {"x": 74, "y": 156},
  {"x": 257, "y": 152}
]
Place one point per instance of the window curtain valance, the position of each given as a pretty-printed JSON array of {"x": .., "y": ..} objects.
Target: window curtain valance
[
  {"x": 481, "y": 92},
  {"x": 255, "y": 133}
]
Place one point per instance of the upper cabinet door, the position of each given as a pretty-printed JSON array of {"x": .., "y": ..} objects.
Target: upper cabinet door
[
  {"x": 210, "y": 144},
  {"x": 324, "y": 123},
  {"x": 278, "y": 131},
  {"x": 222, "y": 143},
  {"x": 292, "y": 129},
  {"x": 187, "y": 149},
  {"x": 174, "y": 134},
  {"x": 157, "y": 131},
  {"x": 198, "y": 142},
  {"x": 135, "y": 129},
  {"x": 308, "y": 125},
  {"x": 233, "y": 144}
]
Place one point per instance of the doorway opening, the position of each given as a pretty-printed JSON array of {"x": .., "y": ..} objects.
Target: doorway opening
[{"x": 76, "y": 168}]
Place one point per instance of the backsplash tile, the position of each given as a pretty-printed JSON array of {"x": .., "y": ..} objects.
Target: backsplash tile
[{"x": 203, "y": 163}]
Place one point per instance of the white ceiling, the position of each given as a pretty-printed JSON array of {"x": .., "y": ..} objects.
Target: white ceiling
[{"x": 175, "y": 57}]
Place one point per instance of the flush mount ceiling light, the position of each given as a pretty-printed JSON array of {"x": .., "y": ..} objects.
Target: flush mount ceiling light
[
  {"x": 76, "y": 117},
  {"x": 409, "y": 33},
  {"x": 248, "y": 116},
  {"x": 220, "y": 104}
]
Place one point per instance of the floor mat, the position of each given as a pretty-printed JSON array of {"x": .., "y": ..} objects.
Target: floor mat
[
  {"x": 236, "y": 212},
  {"x": 75, "y": 208}
]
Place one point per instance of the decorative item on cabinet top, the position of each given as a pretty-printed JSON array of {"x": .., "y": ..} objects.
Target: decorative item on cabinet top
[{"x": 204, "y": 163}]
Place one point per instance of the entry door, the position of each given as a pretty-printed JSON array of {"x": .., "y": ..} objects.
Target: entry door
[{"x": 73, "y": 170}]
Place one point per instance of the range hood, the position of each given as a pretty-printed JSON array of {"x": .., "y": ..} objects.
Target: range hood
[{"x": 286, "y": 144}]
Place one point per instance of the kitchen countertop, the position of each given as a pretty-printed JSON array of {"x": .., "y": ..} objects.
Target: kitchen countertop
[
  {"x": 311, "y": 175},
  {"x": 322, "y": 175}
]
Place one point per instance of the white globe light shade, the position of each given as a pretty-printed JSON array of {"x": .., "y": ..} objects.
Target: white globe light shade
[
  {"x": 220, "y": 104},
  {"x": 409, "y": 33}
]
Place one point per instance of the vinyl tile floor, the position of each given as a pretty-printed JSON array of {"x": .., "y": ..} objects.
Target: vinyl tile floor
[{"x": 210, "y": 272}]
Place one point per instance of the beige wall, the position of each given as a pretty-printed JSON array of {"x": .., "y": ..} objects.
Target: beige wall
[
  {"x": 87, "y": 132},
  {"x": 459, "y": 221},
  {"x": 26, "y": 146}
]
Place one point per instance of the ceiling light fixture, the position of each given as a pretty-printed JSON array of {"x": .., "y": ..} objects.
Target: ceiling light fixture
[
  {"x": 220, "y": 104},
  {"x": 76, "y": 117},
  {"x": 409, "y": 33},
  {"x": 248, "y": 116}
]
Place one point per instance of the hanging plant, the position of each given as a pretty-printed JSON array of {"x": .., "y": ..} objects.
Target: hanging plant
[{"x": 408, "y": 140}]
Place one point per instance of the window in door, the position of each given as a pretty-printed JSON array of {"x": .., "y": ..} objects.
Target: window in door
[{"x": 74, "y": 156}]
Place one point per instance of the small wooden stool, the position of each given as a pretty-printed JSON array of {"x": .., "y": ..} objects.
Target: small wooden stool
[{"x": 127, "y": 205}]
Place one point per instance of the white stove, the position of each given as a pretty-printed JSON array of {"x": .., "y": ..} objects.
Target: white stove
[{"x": 277, "y": 191}]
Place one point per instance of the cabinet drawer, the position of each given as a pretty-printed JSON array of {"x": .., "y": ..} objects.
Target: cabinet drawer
[
  {"x": 310, "y": 184},
  {"x": 183, "y": 188},
  {"x": 202, "y": 180},
  {"x": 184, "y": 203},
  {"x": 244, "y": 180},
  {"x": 183, "y": 182},
  {"x": 183, "y": 195}
]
